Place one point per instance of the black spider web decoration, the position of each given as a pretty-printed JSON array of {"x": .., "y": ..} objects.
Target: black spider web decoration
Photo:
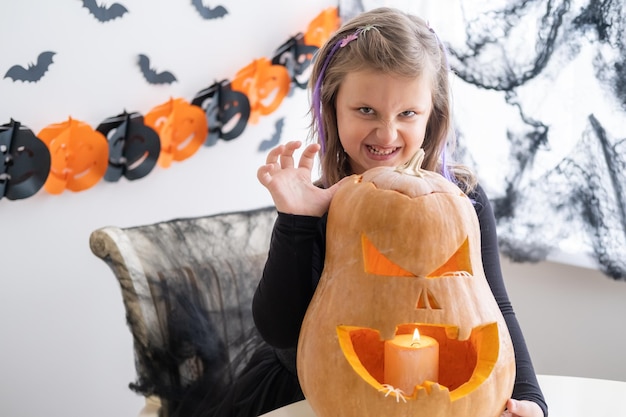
[{"x": 519, "y": 51}]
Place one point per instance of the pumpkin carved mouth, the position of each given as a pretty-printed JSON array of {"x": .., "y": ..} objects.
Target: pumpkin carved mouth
[{"x": 463, "y": 366}]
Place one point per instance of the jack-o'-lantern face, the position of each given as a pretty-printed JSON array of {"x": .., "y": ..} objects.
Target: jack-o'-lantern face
[{"x": 403, "y": 252}]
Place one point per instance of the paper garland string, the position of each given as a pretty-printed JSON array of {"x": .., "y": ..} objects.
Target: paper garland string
[{"x": 74, "y": 156}]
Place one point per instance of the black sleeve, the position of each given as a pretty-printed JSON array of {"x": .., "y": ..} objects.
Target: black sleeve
[
  {"x": 526, "y": 384},
  {"x": 292, "y": 270}
]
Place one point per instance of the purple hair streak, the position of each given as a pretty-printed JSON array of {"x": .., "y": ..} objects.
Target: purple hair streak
[{"x": 317, "y": 103}]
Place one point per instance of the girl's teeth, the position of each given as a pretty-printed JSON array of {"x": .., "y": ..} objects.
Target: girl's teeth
[{"x": 381, "y": 152}]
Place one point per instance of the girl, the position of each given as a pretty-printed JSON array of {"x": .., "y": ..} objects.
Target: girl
[{"x": 380, "y": 92}]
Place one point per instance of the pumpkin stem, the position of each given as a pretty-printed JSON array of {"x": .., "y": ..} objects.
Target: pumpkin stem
[{"x": 413, "y": 166}]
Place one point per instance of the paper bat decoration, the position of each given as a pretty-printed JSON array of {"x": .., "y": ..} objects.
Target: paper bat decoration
[
  {"x": 208, "y": 12},
  {"x": 151, "y": 75},
  {"x": 268, "y": 144},
  {"x": 79, "y": 156},
  {"x": 227, "y": 111},
  {"x": 104, "y": 13},
  {"x": 24, "y": 162},
  {"x": 34, "y": 72},
  {"x": 296, "y": 57},
  {"x": 133, "y": 147}
]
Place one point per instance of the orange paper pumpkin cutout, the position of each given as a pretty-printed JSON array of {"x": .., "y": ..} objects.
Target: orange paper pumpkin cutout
[
  {"x": 182, "y": 128},
  {"x": 261, "y": 81},
  {"x": 79, "y": 156},
  {"x": 320, "y": 28}
]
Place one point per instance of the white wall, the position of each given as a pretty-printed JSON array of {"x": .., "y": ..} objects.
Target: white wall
[
  {"x": 572, "y": 317},
  {"x": 65, "y": 348}
]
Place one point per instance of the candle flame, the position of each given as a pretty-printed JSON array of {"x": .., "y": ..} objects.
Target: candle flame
[{"x": 416, "y": 337}]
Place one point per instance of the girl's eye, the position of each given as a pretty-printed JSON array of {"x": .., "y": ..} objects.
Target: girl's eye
[
  {"x": 366, "y": 110},
  {"x": 408, "y": 113}
]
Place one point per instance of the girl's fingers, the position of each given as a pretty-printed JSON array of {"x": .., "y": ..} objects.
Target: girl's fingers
[
  {"x": 281, "y": 157},
  {"x": 308, "y": 156},
  {"x": 283, "y": 154},
  {"x": 272, "y": 156},
  {"x": 263, "y": 174},
  {"x": 286, "y": 157}
]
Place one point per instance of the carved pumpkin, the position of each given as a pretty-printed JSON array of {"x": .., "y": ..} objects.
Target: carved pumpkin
[{"x": 403, "y": 253}]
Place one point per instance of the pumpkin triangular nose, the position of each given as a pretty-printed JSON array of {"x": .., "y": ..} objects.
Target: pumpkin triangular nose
[{"x": 426, "y": 300}]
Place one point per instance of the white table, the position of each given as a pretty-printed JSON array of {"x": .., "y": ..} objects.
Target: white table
[{"x": 566, "y": 397}]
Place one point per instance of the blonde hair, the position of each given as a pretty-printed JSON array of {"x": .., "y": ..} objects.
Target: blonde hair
[{"x": 391, "y": 41}]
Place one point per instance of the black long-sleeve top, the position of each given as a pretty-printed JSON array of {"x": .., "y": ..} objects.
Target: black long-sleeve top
[{"x": 294, "y": 267}]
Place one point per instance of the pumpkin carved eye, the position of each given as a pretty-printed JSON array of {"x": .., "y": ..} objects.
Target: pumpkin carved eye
[
  {"x": 458, "y": 264},
  {"x": 377, "y": 263}
]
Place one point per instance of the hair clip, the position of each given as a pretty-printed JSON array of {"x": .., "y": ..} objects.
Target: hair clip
[
  {"x": 355, "y": 34},
  {"x": 430, "y": 27},
  {"x": 348, "y": 39}
]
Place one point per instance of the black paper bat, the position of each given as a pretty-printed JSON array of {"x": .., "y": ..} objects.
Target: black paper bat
[
  {"x": 104, "y": 13},
  {"x": 34, "y": 72},
  {"x": 268, "y": 144},
  {"x": 151, "y": 75},
  {"x": 208, "y": 12}
]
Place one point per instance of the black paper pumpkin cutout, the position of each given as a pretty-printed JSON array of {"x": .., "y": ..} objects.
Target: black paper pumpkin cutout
[
  {"x": 297, "y": 57},
  {"x": 24, "y": 161},
  {"x": 227, "y": 111},
  {"x": 134, "y": 148}
]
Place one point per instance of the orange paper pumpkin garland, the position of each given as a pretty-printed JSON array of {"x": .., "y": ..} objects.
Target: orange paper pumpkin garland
[
  {"x": 79, "y": 156},
  {"x": 322, "y": 27},
  {"x": 403, "y": 253},
  {"x": 72, "y": 155},
  {"x": 182, "y": 128},
  {"x": 265, "y": 85}
]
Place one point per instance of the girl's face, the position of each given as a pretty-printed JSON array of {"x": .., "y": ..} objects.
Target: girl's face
[{"x": 381, "y": 118}]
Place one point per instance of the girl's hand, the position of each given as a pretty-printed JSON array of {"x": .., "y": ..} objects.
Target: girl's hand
[
  {"x": 516, "y": 408},
  {"x": 290, "y": 186}
]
